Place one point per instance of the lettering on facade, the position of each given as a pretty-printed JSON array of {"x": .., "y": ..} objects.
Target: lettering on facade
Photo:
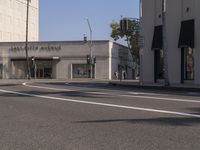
[{"x": 35, "y": 48}]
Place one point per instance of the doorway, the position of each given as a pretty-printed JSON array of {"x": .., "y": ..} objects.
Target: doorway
[
  {"x": 158, "y": 65},
  {"x": 43, "y": 69}
]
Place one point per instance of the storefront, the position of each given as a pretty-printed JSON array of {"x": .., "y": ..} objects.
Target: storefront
[
  {"x": 181, "y": 39},
  {"x": 62, "y": 60}
]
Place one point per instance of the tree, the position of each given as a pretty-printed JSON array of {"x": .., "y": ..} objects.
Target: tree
[{"x": 131, "y": 34}]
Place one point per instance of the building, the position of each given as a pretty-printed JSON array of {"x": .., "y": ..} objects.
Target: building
[
  {"x": 13, "y": 20},
  {"x": 64, "y": 60},
  {"x": 182, "y": 41},
  {"x": 55, "y": 60}
]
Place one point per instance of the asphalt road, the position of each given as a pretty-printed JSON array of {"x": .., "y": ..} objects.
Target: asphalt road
[{"x": 97, "y": 116}]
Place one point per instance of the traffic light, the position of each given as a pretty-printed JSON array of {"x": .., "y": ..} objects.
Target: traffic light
[
  {"x": 85, "y": 39},
  {"x": 88, "y": 59},
  {"x": 94, "y": 59},
  {"x": 124, "y": 24}
]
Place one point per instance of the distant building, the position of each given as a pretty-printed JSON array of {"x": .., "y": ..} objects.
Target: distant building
[
  {"x": 65, "y": 60},
  {"x": 182, "y": 41},
  {"x": 13, "y": 20}
]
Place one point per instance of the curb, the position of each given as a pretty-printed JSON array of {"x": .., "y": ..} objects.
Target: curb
[{"x": 156, "y": 87}]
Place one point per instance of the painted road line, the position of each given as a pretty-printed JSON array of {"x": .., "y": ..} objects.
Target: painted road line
[
  {"x": 48, "y": 88},
  {"x": 144, "y": 93},
  {"x": 98, "y": 93},
  {"x": 67, "y": 83},
  {"x": 58, "y": 89},
  {"x": 132, "y": 96},
  {"x": 104, "y": 104}
]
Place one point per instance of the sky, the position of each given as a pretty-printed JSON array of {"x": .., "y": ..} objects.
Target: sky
[{"x": 65, "y": 20}]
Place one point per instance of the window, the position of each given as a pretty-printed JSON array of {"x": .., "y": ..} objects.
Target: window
[{"x": 188, "y": 64}]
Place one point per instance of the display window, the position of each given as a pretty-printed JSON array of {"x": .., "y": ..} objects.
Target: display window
[{"x": 188, "y": 64}]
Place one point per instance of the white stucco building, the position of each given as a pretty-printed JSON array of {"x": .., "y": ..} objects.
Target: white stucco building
[
  {"x": 13, "y": 20},
  {"x": 55, "y": 59},
  {"x": 65, "y": 60},
  {"x": 182, "y": 19}
]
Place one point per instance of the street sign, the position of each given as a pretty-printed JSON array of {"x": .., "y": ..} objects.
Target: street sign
[{"x": 135, "y": 27}]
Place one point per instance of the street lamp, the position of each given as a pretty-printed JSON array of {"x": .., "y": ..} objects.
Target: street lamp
[
  {"x": 90, "y": 45},
  {"x": 26, "y": 47}
]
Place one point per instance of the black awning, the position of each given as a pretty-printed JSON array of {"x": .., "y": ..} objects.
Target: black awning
[
  {"x": 37, "y": 59},
  {"x": 157, "y": 42},
  {"x": 186, "y": 38}
]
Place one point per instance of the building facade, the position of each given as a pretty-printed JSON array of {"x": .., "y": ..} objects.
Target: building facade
[
  {"x": 13, "y": 20},
  {"x": 181, "y": 38},
  {"x": 65, "y": 60}
]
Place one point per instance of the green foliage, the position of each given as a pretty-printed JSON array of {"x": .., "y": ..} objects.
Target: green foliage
[{"x": 131, "y": 35}]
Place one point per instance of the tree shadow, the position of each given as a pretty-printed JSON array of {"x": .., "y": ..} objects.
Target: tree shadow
[
  {"x": 59, "y": 93},
  {"x": 170, "y": 121},
  {"x": 136, "y": 88},
  {"x": 8, "y": 85}
]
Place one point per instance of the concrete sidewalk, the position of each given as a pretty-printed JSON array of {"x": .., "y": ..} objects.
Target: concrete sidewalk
[
  {"x": 20, "y": 81},
  {"x": 137, "y": 84}
]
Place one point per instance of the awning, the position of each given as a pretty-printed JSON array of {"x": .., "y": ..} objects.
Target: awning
[
  {"x": 157, "y": 42},
  {"x": 37, "y": 59},
  {"x": 186, "y": 38}
]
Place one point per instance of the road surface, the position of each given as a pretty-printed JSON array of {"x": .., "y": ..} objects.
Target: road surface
[{"x": 97, "y": 116}]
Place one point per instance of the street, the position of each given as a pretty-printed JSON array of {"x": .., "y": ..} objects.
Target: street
[{"x": 96, "y": 116}]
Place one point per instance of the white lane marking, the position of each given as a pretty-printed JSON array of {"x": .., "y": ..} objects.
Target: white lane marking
[
  {"x": 164, "y": 99},
  {"x": 58, "y": 89},
  {"x": 48, "y": 88},
  {"x": 104, "y": 104},
  {"x": 141, "y": 97},
  {"x": 100, "y": 93},
  {"x": 144, "y": 93}
]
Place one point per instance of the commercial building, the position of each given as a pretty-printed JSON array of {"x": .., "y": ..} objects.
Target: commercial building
[
  {"x": 13, "y": 20},
  {"x": 181, "y": 39},
  {"x": 55, "y": 60},
  {"x": 65, "y": 60}
]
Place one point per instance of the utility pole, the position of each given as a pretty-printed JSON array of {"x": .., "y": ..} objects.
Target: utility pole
[
  {"x": 26, "y": 47},
  {"x": 165, "y": 58},
  {"x": 90, "y": 45}
]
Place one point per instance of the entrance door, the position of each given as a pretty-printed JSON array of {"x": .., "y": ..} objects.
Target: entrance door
[
  {"x": 40, "y": 73},
  {"x": 44, "y": 69}
]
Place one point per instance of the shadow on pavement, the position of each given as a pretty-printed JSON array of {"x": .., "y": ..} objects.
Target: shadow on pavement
[
  {"x": 58, "y": 93},
  {"x": 107, "y": 86},
  {"x": 175, "y": 121}
]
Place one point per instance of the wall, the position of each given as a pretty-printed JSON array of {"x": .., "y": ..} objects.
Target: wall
[
  {"x": 147, "y": 30},
  {"x": 13, "y": 20},
  {"x": 176, "y": 11},
  {"x": 69, "y": 52},
  {"x": 173, "y": 25}
]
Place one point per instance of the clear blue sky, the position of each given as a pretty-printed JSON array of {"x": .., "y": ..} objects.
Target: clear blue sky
[{"x": 65, "y": 19}]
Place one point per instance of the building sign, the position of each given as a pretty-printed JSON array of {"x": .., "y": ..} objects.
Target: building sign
[{"x": 35, "y": 48}]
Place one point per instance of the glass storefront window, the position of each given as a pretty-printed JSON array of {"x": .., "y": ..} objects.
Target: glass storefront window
[
  {"x": 43, "y": 69},
  {"x": 188, "y": 64},
  {"x": 1, "y": 70},
  {"x": 81, "y": 71}
]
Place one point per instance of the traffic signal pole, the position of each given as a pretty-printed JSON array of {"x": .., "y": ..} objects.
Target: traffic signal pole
[
  {"x": 26, "y": 47},
  {"x": 90, "y": 45},
  {"x": 165, "y": 59}
]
